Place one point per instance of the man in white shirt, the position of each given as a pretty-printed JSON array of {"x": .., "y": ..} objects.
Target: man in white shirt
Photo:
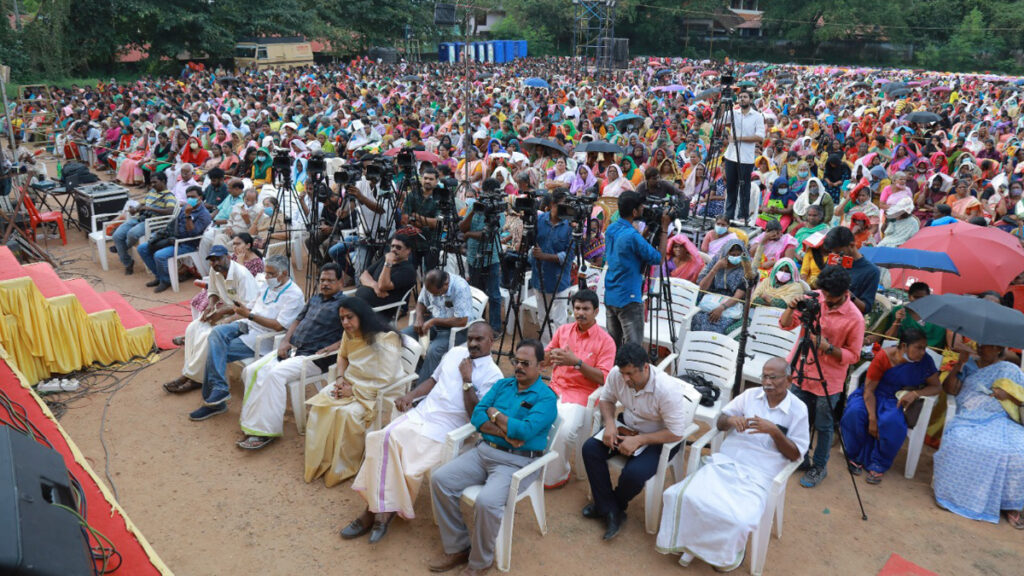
[
  {"x": 656, "y": 410},
  {"x": 745, "y": 130},
  {"x": 711, "y": 514},
  {"x": 186, "y": 180},
  {"x": 229, "y": 282},
  {"x": 399, "y": 456},
  {"x": 243, "y": 215}
]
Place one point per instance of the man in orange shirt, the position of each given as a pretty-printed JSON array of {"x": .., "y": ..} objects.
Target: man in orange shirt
[{"x": 582, "y": 354}]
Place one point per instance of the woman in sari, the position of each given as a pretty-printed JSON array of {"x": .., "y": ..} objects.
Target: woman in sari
[
  {"x": 559, "y": 177},
  {"x": 777, "y": 206},
  {"x": 720, "y": 235},
  {"x": 262, "y": 169},
  {"x": 228, "y": 159},
  {"x": 897, "y": 190},
  {"x": 900, "y": 224},
  {"x": 160, "y": 159},
  {"x": 979, "y": 469},
  {"x": 813, "y": 195},
  {"x": 723, "y": 282},
  {"x": 615, "y": 183},
  {"x": 772, "y": 246},
  {"x": 835, "y": 174},
  {"x": 129, "y": 171},
  {"x": 368, "y": 366},
  {"x": 964, "y": 205},
  {"x": 780, "y": 287},
  {"x": 582, "y": 181},
  {"x": 873, "y": 424},
  {"x": 684, "y": 260},
  {"x": 630, "y": 171}
]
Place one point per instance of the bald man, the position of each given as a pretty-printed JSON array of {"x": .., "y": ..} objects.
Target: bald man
[{"x": 711, "y": 515}]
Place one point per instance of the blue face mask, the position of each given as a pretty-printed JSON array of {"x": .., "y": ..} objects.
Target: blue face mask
[
  {"x": 803, "y": 174},
  {"x": 193, "y": 202},
  {"x": 720, "y": 230},
  {"x": 735, "y": 260},
  {"x": 269, "y": 210}
]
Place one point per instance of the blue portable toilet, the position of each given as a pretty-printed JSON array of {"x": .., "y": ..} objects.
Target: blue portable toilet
[
  {"x": 490, "y": 51},
  {"x": 516, "y": 49},
  {"x": 481, "y": 52},
  {"x": 442, "y": 52},
  {"x": 510, "y": 50},
  {"x": 522, "y": 53},
  {"x": 499, "y": 51},
  {"x": 458, "y": 51}
]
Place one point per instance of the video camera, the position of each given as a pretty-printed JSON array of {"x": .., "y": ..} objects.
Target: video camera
[
  {"x": 348, "y": 175},
  {"x": 676, "y": 206},
  {"x": 809, "y": 308},
  {"x": 578, "y": 207},
  {"x": 406, "y": 161},
  {"x": 282, "y": 162},
  {"x": 316, "y": 165},
  {"x": 445, "y": 194},
  {"x": 380, "y": 169}
]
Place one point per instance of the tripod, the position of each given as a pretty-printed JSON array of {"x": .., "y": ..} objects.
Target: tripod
[
  {"x": 576, "y": 254},
  {"x": 664, "y": 296},
  {"x": 812, "y": 327},
  {"x": 287, "y": 200},
  {"x": 715, "y": 154}
]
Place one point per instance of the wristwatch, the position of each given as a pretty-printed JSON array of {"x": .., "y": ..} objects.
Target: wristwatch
[
  {"x": 252, "y": 316},
  {"x": 388, "y": 265},
  {"x": 579, "y": 365},
  {"x": 494, "y": 417},
  {"x": 467, "y": 384}
]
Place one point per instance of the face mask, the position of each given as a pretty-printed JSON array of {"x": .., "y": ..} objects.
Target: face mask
[
  {"x": 735, "y": 260},
  {"x": 720, "y": 230},
  {"x": 261, "y": 158},
  {"x": 783, "y": 277},
  {"x": 273, "y": 283},
  {"x": 906, "y": 358},
  {"x": 269, "y": 210},
  {"x": 194, "y": 146},
  {"x": 803, "y": 174},
  {"x": 192, "y": 202}
]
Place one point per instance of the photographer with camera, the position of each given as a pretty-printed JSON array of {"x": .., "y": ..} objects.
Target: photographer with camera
[
  {"x": 552, "y": 259},
  {"x": 836, "y": 328},
  {"x": 628, "y": 255},
  {"x": 654, "y": 185},
  {"x": 739, "y": 155},
  {"x": 362, "y": 194},
  {"x": 421, "y": 209},
  {"x": 864, "y": 275},
  {"x": 481, "y": 226}
]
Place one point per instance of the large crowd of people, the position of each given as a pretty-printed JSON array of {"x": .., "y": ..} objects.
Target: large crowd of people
[{"x": 788, "y": 180}]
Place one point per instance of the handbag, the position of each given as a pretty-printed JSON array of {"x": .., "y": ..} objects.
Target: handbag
[
  {"x": 164, "y": 237},
  {"x": 913, "y": 412}
]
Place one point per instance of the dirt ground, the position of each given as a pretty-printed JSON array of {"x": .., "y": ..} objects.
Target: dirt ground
[{"x": 209, "y": 508}]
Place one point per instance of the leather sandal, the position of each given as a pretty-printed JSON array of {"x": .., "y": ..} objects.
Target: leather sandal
[
  {"x": 182, "y": 385},
  {"x": 450, "y": 561}
]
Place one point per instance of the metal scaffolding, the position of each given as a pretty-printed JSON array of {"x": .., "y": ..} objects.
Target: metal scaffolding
[{"x": 593, "y": 33}]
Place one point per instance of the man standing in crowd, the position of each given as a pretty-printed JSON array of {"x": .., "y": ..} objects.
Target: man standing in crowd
[
  {"x": 656, "y": 410},
  {"x": 514, "y": 418},
  {"x": 399, "y": 456},
  {"x": 582, "y": 354},
  {"x": 838, "y": 346},
  {"x": 628, "y": 254},
  {"x": 739, "y": 155},
  {"x": 421, "y": 210},
  {"x": 552, "y": 260},
  {"x": 483, "y": 253}
]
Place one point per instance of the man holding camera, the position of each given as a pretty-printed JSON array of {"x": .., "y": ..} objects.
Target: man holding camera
[
  {"x": 482, "y": 224},
  {"x": 864, "y": 275},
  {"x": 654, "y": 185},
  {"x": 838, "y": 343},
  {"x": 747, "y": 129},
  {"x": 421, "y": 209},
  {"x": 361, "y": 194},
  {"x": 552, "y": 260},
  {"x": 628, "y": 256}
]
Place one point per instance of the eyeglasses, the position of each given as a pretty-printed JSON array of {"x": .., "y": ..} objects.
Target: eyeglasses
[{"x": 518, "y": 362}]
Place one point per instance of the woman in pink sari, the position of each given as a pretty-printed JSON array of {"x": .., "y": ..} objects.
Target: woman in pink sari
[
  {"x": 772, "y": 246},
  {"x": 684, "y": 260},
  {"x": 129, "y": 166}
]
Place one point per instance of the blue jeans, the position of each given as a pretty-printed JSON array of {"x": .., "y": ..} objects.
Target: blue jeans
[
  {"x": 437, "y": 349},
  {"x": 492, "y": 286},
  {"x": 350, "y": 254},
  {"x": 126, "y": 236},
  {"x": 223, "y": 347},
  {"x": 157, "y": 261},
  {"x": 822, "y": 421}
]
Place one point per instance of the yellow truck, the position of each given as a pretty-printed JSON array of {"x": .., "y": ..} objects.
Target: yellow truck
[{"x": 284, "y": 52}]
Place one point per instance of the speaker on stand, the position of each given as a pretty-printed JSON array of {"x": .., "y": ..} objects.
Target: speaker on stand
[{"x": 444, "y": 14}]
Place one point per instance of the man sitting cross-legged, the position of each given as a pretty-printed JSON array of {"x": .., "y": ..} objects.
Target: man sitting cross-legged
[{"x": 398, "y": 457}]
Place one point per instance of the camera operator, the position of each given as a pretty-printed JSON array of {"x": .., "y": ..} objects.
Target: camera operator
[
  {"x": 552, "y": 260},
  {"x": 628, "y": 255},
  {"x": 749, "y": 126},
  {"x": 485, "y": 259},
  {"x": 364, "y": 194},
  {"x": 838, "y": 345},
  {"x": 421, "y": 210},
  {"x": 653, "y": 185},
  {"x": 864, "y": 275}
]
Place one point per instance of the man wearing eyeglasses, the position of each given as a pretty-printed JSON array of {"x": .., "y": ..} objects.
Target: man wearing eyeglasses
[
  {"x": 711, "y": 514},
  {"x": 388, "y": 279}
]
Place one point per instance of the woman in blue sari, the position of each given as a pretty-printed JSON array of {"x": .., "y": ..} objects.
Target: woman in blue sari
[
  {"x": 979, "y": 470},
  {"x": 873, "y": 424}
]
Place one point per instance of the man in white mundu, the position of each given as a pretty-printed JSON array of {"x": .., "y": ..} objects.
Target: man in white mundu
[
  {"x": 398, "y": 457},
  {"x": 229, "y": 282},
  {"x": 711, "y": 514}
]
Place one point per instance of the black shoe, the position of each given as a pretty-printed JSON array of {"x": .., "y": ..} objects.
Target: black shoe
[
  {"x": 129, "y": 269},
  {"x": 355, "y": 528},
  {"x": 380, "y": 527},
  {"x": 805, "y": 465},
  {"x": 152, "y": 283},
  {"x": 161, "y": 287},
  {"x": 616, "y": 518},
  {"x": 113, "y": 249},
  {"x": 590, "y": 511}
]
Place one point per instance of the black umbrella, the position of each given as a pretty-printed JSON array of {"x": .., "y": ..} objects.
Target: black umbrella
[
  {"x": 705, "y": 94},
  {"x": 410, "y": 78},
  {"x": 891, "y": 86},
  {"x": 860, "y": 85},
  {"x": 923, "y": 117},
  {"x": 227, "y": 79},
  {"x": 899, "y": 92},
  {"x": 484, "y": 76},
  {"x": 531, "y": 143},
  {"x": 981, "y": 320},
  {"x": 786, "y": 82},
  {"x": 600, "y": 146},
  {"x": 662, "y": 72}
]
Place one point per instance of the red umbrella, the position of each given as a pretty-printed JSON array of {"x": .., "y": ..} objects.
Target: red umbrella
[
  {"x": 941, "y": 89},
  {"x": 709, "y": 73},
  {"x": 421, "y": 155},
  {"x": 686, "y": 69},
  {"x": 987, "y": 258}
]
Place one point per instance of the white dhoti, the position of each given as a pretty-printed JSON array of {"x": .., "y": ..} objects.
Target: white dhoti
[
  {"x": 195, "y": 350},
  {"x": 565, "y": 442},
  {"x": 266, "y": 392},
  {"x": 396, "y": 461},
  {"x": 712, "y": 513}
]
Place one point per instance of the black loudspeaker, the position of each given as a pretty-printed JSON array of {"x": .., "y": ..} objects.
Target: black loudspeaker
[
  {"x": 36, "y": 537},
  {"x": 444, "y": 14},
  {"x": 385, "y": 55},
  {"x": 620, "y": 51}
]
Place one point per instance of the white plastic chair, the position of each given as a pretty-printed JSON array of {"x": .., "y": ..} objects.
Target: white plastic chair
[
  {"x": 395, "y": 306},
  {"x": 774, "y": 507},
  {"x": 535, "y": 491},
  {"x": 410, "y": 355},
  {"x": 766, "y": 340},
  {"x": 99, "y": 239},
  {"x": 915, "y": 435},
  {"x": 665, "y": 319},
  {"x": 479, "y": 305},
  {"x": 172, "y": 262},
  {"x": 713, "y": 355}
]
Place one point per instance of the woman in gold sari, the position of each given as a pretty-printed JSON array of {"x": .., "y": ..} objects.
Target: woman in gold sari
[{"x": 369, "y": 363}]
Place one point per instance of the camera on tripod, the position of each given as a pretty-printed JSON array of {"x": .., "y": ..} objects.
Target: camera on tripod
[
  {"x": 809, "y": 307},
  {"x": 282, "y": 162},
  {"x": 348, "y": 175},
  {"x": 677, "y": 207},
  {"x": 380, "y": 169},
  {"x": 578, "y": 207},
  {"x": 406, "y": 160},
  {"x": 316, "y": 165}
]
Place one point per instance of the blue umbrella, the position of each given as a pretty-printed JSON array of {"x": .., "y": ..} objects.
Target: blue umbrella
[
  {"x": 889, "y": 257},
  {"x": 629, "y": 117},
  {"x": 536, "y": 83}
]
